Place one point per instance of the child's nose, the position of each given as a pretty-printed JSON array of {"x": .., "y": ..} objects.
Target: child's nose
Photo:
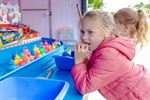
[{"x": 85, "y": 36}]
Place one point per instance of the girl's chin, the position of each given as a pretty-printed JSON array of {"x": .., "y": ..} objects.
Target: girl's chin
[{"x": 92, "y": 48}]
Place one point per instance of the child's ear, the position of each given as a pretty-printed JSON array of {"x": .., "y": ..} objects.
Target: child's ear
[
  {"x": 126, "y": 26},
  {"x": 122, "y": 27}
]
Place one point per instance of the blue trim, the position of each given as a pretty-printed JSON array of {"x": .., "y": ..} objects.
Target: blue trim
[{"x": 84, "y": 6}]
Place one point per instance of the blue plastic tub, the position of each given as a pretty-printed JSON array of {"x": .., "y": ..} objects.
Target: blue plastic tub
[
  {"x": 32, "y": 89},
  {"x": 65, "y": 62},
  {"x": 31, "y": 69}
]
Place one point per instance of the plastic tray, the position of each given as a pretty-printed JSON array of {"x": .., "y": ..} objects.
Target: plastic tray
[
  {"x": 32, "y": 89},
  {"x": 31, "y": 69}
]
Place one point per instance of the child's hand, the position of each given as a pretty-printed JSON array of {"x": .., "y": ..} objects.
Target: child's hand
[{"x": 81, "y": 52}]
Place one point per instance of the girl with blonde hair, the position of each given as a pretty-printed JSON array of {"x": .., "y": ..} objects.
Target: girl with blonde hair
[
  {"x": 103, "y": 61},
  {"x": 134, "y": 23}
]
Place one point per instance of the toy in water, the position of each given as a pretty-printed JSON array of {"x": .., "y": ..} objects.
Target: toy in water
[
  {"x": 25, "y": 59},
  {"x": 58, "y": 43},
  {"x": 17, "y": 60},
  {"x": 68, "y": 53},
  {"x": 26, "y": 52},
  {"x": 35, "y": 48},
  {"x": 42, "y": 51},
  {"x": 55, "y": 44},
  {"x": 22, "y": 58},
  {"x": 36, "y": 52},
  {"x": 32, "y": 58},
  {"x": 20, "y": 55},
  {"x": 53, "y": 47},
  {"x": 1, "y": 44},
  {"x": 46, "y": 46}
]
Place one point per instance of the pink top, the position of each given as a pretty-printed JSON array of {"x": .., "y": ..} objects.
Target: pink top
[{"x": 111, "y": 72}]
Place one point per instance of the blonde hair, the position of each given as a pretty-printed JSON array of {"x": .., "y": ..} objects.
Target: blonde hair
[
  {"x": 104, "y": 19},
  {"x": 137, "y": 18}
]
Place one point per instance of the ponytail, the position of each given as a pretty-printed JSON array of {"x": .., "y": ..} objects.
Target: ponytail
[{"x": 142, "y": 29}]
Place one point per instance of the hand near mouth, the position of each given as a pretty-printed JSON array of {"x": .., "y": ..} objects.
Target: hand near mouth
[{"x": 81, "y": 52}]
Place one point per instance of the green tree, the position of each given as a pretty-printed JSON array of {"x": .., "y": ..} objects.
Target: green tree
[
  {"x": 95, "y": 4},
  {"x": 147, "y": 6},
  {"x": 142, "y": 5}
]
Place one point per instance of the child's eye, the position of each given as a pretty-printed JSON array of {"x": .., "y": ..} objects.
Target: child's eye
[
  {"x": 90, "y": 32},
  {"x": 82, "y": 32}
]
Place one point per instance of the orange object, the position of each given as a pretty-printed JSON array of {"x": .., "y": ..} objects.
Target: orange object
[
  {"x": 32, "y": 58},
  {"x": 31, "y": 35},
  {"x": 5, "y": 25},
  {"x": 27, "y": 52},
  {"x": 48, "y": 48},
  {"x": 17, "y": 60},
  {"x": 27, "y": 36},
  {"x": 20, "y": 63},
  {"x": 25, "y": 59},
  {"x": 26, "y": 30},
  {"x": 36, "y": 34}
]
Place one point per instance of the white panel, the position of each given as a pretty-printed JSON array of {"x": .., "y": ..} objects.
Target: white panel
[
  {"x": 64, "y": 13},
  {"x": 34, "y": 4},
  {"x": 38, "y": 20}
]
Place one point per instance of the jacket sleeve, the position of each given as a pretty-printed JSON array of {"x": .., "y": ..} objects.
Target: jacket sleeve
[{"x": 106, "y": 67}]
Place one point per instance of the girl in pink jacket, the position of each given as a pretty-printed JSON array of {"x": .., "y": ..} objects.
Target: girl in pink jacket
[
  {"x": 109, "y": 68},
  {"x": 134, "y": 23}
]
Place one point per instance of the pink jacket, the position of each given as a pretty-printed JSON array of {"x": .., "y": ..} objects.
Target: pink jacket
[{"x": 111, "y": 72}]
